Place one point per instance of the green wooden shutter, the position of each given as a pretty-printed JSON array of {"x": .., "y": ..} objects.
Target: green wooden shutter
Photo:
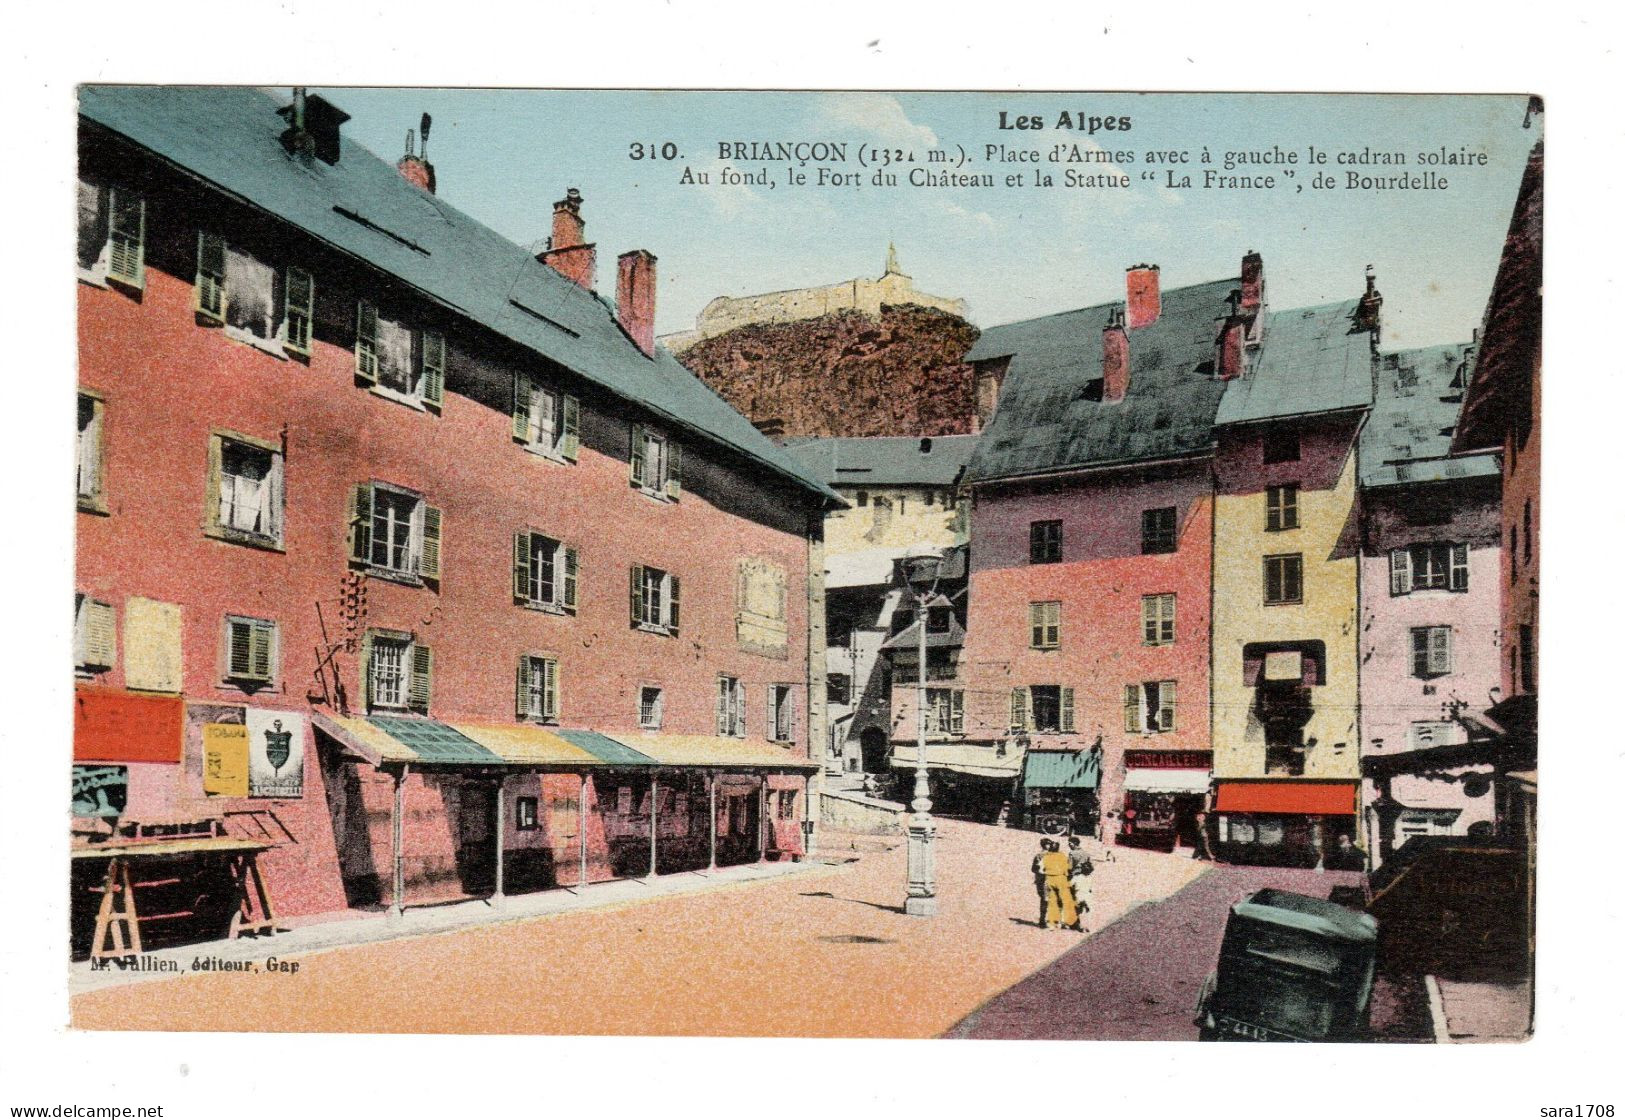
[
  {"x": 429, "y": 555},
  {"x": 299, "y": 310},
  {"x": 570, "y": 447},
  {"x": 1131, "y": 708},
  {"x": 1458, "y": 567},
  {"x": 274, "y": 497},
  {"x": 957, "y": 712},
  {"x": 572, "y": 566},
  {"x": 637, "y": 595},
  {"x": 264, "y": 636},
  {"x": 772, "y": 724},
  {"x": 1167, "y": 706},
  {"x": 674, "y": 599},
  {"x": 674, "y": 469},
  {"x": 550, "y": 690},
  {"x": 366, "y": 343},
  {"x": 127, "y": 232},
  {"x": 365, "y": 661},
  {"x": 422, "y": 682},
  {"x": 209, "y": 287},
  {"x": 723, "y": 695},
  {"x": 521, "y": 566},
  {"x": 211, "y": 495},
  {"x": 521, "y": 408},
  {"x": 1068, "y": 712},
  {"x": 1399, "y": 571},
  {"x": 637, "y": 455},
  {"x": 361, "y": 524},
  {"x": 1018, "y": 709},
  {"x": 433, "y": 352},
  {"x": 521, "y": 701}
]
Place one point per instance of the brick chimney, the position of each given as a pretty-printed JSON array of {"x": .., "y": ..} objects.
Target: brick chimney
[
  {"x": 414, "y": 166},
  {"x": 1252, "y": 285},
  {"x": 566, "y": 253},
  {"x": 1114, "y": 361},
  {"x": 1231, "y": 361},
  {"x": 314, "y": 125},
  {"x": 635, "y": 297},
  {"x": 1368, "y": 316},
  {"x": 1144, "y": 295}
]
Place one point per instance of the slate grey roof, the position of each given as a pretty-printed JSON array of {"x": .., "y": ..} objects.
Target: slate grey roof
[
  {"x": 884, "y": 460},
  {"x": 229, "y": 136},
  {"x": 1407, "y": 437},
  {"x": 1312, "y": 361},
  {"x": 1044, "y": 424}
]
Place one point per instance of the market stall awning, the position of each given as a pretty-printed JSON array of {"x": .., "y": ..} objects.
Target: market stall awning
[
  {"x": 1150, "y": 780},
  {"x": 522, "y": 743},
  {"x": 1061, "y": 770},
  {"x": 717, "y": 752},
  {"x": 1311, "y": 797},
  {"x": 609, "y": 752},
  {"x": 385, "y": 739}
]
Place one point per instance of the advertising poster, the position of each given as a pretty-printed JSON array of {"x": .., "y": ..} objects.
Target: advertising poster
[
  {"x": 225, "y": 760},
  {"x": 276, "y": 753}
]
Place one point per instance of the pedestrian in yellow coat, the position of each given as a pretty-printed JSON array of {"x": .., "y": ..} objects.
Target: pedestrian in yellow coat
[{"x": 1060, "y": 908}]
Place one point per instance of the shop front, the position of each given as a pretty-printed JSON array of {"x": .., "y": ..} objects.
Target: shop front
[
  {"x": 1165, "y": 795},
  {"x": 571, "y": 807},
  {"x": 1060, "y": 791},
  {"x": 1287, "y": 823}
]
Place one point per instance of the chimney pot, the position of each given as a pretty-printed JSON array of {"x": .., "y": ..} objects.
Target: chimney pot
[
  {"x": 1114, "y": 358},
  {"x": 1252, "y": 285},
  {"x": 1368, "y": 316},
  {"x": 1144, "y": 296},
  {"x": 635, "y": 298},
  {"x": 313, "y": 126}
]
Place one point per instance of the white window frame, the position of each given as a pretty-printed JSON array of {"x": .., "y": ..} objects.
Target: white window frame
[
  {"x": 655, "y": 594},
  {"x": 401, "y": 648},
  {"x": 730, "y": 706},
  {"x": 425, "y": 528},
  {"x": 944, "y": 711},
  {"x": 537, "y": 688},
  {"x": 256, "y": 629},
  {"x": 664, "y": 480},
  {"x": 651, "y": 709},
  {"x": 427, "y": 365},
  {"x": 102, "y": 273},
  {"x": 542, "y": 552},
  {"x": 1139, "y": 718}
]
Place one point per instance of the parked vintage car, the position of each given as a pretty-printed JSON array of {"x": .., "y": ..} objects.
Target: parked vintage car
[{"x": 1291, "y": 969}]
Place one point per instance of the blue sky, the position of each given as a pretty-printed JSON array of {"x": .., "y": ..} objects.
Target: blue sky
[{"x": 504, "y": 156}]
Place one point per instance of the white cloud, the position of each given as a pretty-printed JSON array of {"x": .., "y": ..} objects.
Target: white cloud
[{"x": 879, "y": 114}]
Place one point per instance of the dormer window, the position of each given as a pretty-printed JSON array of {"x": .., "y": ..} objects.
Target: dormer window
[
  {"x": 112, "y": 235},
  {"x": 546, "y": 420},
  {"x": 397, "y": 361},
  {"x": 656, "y": 463}
]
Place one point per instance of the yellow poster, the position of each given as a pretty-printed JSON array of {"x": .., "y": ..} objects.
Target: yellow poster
[{"x": 225, "y": 760}]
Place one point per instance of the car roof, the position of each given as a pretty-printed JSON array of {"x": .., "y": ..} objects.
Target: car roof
[{"x": 1312, "y": 915}]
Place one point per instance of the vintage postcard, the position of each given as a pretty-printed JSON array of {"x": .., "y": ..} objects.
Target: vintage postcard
[{"x": 843, "y": 564}]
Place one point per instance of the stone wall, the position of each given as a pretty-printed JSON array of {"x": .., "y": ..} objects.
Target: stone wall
[{"x": 847, "y": 374}]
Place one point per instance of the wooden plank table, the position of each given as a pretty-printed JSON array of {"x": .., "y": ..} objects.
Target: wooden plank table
[{"x": 118, "y": 925}]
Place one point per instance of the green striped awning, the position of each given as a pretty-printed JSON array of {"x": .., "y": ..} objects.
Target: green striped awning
[
  {"x": 604, "y": 748},
  {"x": 1061, "y": 770},
  {"x": 432, "y": 741}
]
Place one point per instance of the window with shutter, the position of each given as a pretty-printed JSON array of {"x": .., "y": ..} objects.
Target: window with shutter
[
  {"x": 1399, "y": 571},
  {"x": 127, "y": 230},
  {"x": 1131, "y": 709},
  {"x": 250, "y": 650},
  {"x": 94, "y": 635},
  {"x": 298, "y": 311},
  {"x": 1165, "y": 705},
  {"x": 245, "y": 489},
  {"x": 570, "y": 445},
  {"x": 731, "y": 707},
  {"x": 366, "y": 343},
  {"x": 1430, "y": 651},
  {"x": 1068, "y": 710},
  {"x": 209, "y": 288},
  {"x": 1157, "y": 619},
  {"x": 396, "y": 533},
  {"x": 1045, "y": 622},
  {"x": 432, "y": 368},
  {"x": 422, "y": 682},
  {"x": 391, "y": 676},
  {"x": 88, "y": 458},
  {"x": 92, "y": 249},
  {"x": 1458, "y": 567},
  {"x": 537, "y": 700}
]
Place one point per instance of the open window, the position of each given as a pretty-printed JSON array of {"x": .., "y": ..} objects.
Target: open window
[
  {"x": 657, "y": 463},
  {"x": 112, "y": 235},
  {"x": 536, "y": 689},
  {"x": 1432, "y": 566},
  {"x": 244, "y": 501},
  {"x": 730, "y": 706},
  {"x": 546, "y": 420},
  {"x": 88, "y": 480},
  {"x": 399, "y": 361},
  {"x": 656, "y": 602},
  {"x": 394, "y": 532},
  {"x": 546, "y": 572},
  {"x": 1149, "y": 707},
  {"x": 944, "y": 711}
]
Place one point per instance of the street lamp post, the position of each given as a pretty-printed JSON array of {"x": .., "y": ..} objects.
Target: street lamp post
[{"x": 922, "y": 860}]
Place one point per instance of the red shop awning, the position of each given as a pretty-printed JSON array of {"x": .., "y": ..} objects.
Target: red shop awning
[
  {"x": 124, "y": 727},
  {"x": 1313, "y": 798}
]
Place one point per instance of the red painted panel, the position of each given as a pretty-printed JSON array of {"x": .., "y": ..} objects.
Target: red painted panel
[
  {"x": 1315, "y": 798},
  {"x": 123, "y": 727}
]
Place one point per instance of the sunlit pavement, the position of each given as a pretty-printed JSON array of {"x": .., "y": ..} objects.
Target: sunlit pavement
[{"x": 827, "y": 955}]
